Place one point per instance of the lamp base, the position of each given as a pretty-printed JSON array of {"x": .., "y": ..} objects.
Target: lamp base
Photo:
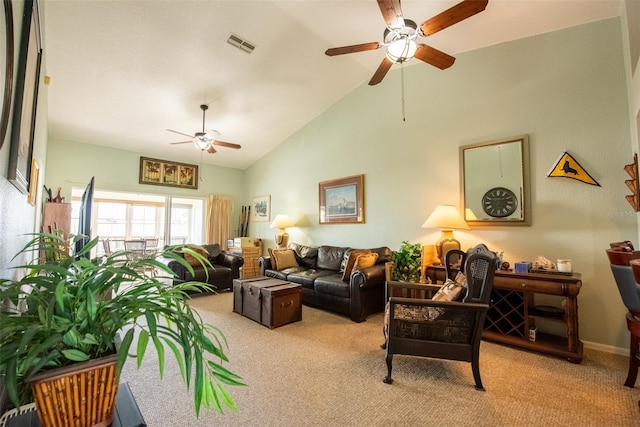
[
  {"x": 445, "y": 244},
  {"x": 282, "y": 239}
]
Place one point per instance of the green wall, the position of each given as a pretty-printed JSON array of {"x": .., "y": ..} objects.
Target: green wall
[
  {"x": 566, "y": 90},
  {"x": 72, "y": 164}
]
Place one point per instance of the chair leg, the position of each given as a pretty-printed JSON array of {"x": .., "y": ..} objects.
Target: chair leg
[
  {"x": 389, "y": 360},
  {"x": 475, "y": 367},
  {"x": 632, "y": 375}
]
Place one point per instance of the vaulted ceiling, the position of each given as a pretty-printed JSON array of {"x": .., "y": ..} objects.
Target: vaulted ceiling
[{"x": 123, "y": 72}]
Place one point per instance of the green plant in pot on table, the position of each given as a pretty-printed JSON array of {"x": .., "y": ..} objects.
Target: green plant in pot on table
[
  {"x": 73, "y": 311},
  {"x": 407, "y": 262}
]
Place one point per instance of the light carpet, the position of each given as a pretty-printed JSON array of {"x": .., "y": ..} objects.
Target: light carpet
[{"x": 327, "y": 371}]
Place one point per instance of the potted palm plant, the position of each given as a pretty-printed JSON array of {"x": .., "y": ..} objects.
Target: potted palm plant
[{"x": 75, "y": 311}]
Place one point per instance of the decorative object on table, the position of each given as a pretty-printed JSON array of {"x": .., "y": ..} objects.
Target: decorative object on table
[
  {"x": 400, "y": 36},
  {"x": 564, "y": 265},
  {"x": 281, "y": 222},
  {"x": 74, "y": 310},
  {"x": 5, "y": 96},
  {"x": 568, "y": 167},
  {"x": 523, "y": 267},
  {"x": 26, "y": 98},
  {"x": 496, "y": 169},
  {"x": 58, "y": 198},
  {"x": 407, "y": 262},
  {"x": 205, "y": 140},
  {"x": 447, "y": 218},
  {"x": 261, "y": 209},
  {"x": 171, "y": 174},
  {"x": 542, "y": 263},
  {"x": 341, "y": 201},
  {"x": 633, "y": 184}
]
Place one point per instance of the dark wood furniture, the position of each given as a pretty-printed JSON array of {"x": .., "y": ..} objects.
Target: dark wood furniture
[
  {"x": 441, "y": 329},
  {"x": 512, "y": 312},
  {"x": 271, "y": 302}
]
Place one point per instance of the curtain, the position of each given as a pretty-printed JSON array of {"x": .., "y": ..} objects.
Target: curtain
[{"x": 219, "y": 220}]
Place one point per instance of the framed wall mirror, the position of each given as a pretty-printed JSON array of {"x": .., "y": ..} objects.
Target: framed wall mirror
[{"x": 494, "y": 180}]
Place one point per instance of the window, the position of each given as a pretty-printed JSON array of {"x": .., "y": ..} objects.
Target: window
[{"x": 122, "y": 216}]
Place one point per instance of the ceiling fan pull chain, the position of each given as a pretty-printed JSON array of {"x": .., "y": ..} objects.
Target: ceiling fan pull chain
[{"x": 404, "y": 118}]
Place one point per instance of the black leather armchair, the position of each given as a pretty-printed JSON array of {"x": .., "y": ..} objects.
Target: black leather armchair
[{"x": 226, "y": 267}]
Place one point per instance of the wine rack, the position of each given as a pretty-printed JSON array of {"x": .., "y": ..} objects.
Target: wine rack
[{"x": 512, "y": 312}]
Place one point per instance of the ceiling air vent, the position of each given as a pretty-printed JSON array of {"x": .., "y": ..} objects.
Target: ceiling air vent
[{"x": 241, "y": 43}]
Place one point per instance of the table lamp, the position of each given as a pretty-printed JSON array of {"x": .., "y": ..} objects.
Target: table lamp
[
  {"x": 281, "y": 222},
  {"x": 447, "y": 218}
]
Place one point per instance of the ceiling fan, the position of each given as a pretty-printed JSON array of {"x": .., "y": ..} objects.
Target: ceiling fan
[
  {"x": 400, "y": 35},
  {"x": 205, "y": 140}
]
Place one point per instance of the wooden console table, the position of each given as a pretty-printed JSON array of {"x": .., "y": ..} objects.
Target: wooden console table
[{"x": 512, "y": 312}]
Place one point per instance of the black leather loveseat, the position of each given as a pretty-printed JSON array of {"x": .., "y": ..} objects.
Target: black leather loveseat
[
  {"x": 226, "y": 267},
  {"x": 321, "y": 273}
]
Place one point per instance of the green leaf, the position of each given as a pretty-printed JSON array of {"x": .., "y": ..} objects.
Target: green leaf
[
  {"x": 160, "y": 351},
  {"x": 143, "y": 339},
  {"x": 123, "y": 350},
  {"x": 75, "y": 355},
  {"x": 60, "y": 290},
  {"x": 91, "y": 304}
]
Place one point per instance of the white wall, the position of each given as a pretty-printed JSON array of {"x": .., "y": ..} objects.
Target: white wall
[
  {"x": 566, "y": 90},
  {"x": 17, "y": 217}
]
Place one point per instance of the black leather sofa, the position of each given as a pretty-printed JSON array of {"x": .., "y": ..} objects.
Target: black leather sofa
[
  {"x": 320, "y": 273},
  {"x": 226, "y": 267}
]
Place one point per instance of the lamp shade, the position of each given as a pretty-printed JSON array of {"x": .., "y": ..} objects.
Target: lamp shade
[
  {"x": 401, "y": 50},
  {"x": 446, "y": 217},
  {"x": 282, "y": 221}
]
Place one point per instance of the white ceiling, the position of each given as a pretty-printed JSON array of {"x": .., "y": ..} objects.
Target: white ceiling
[{"x": 122, "y": 72}]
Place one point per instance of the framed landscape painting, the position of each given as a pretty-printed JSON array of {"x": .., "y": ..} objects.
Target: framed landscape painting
[
  {"x": 341, "y": 201},
  {"x": 172, "y": 174}
]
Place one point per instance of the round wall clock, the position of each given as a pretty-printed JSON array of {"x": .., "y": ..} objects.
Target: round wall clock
[{"x": 499, "y": 202}]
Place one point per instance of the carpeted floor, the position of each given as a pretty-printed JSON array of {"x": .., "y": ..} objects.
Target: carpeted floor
[{"x": 327, "y": 371}]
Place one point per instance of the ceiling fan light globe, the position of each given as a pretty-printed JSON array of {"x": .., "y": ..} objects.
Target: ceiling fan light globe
[
  {"x": 202, "y": 143},
  {"x": 401, "y": 50}
]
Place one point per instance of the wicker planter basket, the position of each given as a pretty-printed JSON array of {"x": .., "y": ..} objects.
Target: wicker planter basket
[{"x": 81, "y": 395}]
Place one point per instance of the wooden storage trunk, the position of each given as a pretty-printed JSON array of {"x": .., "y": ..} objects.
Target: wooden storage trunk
[
  {"x": 281, "y": 305},
  {"x": 271, "y": 302}
]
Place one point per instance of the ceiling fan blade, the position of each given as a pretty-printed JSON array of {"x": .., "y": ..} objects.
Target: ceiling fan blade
[
  {"x": 182, "y": 142},
  {"x": 434, "y": 56},
  {"x": 453, "y": 15},
  {"x": 211, "y": 149},
  {"x": 382, "y": 70},
  {"x": 180, "y": 133},
  {"x": 352, "y": 49},
  {"x": 392, "y": 13},
  {"x": 226, "y": 144}
]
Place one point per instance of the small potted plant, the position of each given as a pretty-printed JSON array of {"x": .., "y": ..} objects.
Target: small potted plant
[
  {"x": 75, "y": 311},
  {"x": 406, "y": 262}
]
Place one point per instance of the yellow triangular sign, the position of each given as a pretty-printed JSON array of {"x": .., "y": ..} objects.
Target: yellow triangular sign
[{"x": 568, "y": 167}]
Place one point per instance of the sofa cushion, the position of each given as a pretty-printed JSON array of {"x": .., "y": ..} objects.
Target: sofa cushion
[
  {"x": 384, "y": 254},
  {"x": 213, "y": 250},
  {"x": 365, "y": 261},
  {"x": 330, "y": 257},
  {"x": 332, "y": 285},
  {"x": 305, "y": 255},
  {"x": 284, "y": 258},
  {"x": 307, "y": 277},
  {"x": 191, "y": 259},
  {"x": 349, "y": 260}
]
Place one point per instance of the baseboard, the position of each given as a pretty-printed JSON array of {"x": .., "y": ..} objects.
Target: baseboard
[{"x": 606, "y": 348}]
